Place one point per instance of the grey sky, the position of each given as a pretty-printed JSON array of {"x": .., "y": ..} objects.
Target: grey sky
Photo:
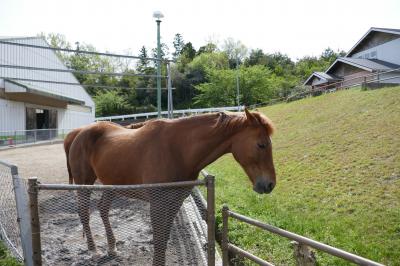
[{"x": 296, "y": 28}]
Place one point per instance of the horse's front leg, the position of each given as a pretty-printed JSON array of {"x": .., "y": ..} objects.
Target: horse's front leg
[
  {"x": 104, "y": 208},
  {"x": 164, "y": 206},
  {"x": 84, "y": 215}
]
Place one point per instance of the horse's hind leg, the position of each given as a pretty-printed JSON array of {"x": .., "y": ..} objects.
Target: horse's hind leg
[
  {"x": 104, "y": 207},
  {"x": 84, "y": 215}
]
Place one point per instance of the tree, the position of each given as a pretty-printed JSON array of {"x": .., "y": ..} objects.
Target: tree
[
  {"x": 208, "y": 48},
  {"x": 110, "y": 103},
  {"x": 256, "y": 86},
  {"x": 143, "y": 62},
  {"x": 235, "y": 50},
  {"x": 178, "y": 45},
  {"x": 188, "y": 51}
]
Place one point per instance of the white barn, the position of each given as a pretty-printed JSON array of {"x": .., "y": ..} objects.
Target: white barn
[
  {"x": 26, "y": 103},
  {"x": 376, "y": 56}
]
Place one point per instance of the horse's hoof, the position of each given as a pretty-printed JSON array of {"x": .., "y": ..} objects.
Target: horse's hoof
[
  {"x": 112, "y": 253},
  {"x": 94, "y": 254}
]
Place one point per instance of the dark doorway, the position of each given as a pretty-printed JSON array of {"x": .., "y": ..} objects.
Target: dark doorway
[
  {"x": 42, "y": 119},
  {"x": 38, "y": 123}
]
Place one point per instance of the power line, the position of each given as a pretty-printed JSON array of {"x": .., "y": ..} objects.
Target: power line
[
  {"x": 84, "y": 52},
  {"x": 80, "y": 71},
  {"x": 75, "y": 84}
]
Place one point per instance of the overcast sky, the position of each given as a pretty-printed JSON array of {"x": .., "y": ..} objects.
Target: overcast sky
[{"x": 294, "y": 27}]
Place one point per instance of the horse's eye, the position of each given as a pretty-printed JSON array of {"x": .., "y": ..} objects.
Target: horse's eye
[{"x": 262, "y": 145}]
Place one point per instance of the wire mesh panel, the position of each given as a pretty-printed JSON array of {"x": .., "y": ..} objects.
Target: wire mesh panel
[
  {"x": 122, "y": 226},
  {"x": 9, "y": 230}
]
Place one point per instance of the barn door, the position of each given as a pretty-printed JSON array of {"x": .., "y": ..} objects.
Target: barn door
[{"x": 30, "y": 122}]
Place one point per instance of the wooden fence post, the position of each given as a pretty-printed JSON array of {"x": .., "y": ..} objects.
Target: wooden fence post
[
  {"x": 224, "y": 240},
  {"x": 303, "y": 255},
  {"x": 211, "y": 219},
  {"x": 35, "y": 224}
]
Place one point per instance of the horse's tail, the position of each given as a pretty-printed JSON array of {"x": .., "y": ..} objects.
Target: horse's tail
[{"x": 69, "y": 139}]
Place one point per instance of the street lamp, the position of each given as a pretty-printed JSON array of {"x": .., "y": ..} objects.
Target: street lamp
[{"x": 158, "y": 16}]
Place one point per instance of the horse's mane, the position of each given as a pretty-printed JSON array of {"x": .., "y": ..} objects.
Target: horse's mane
[
  {"x": 228, "y": 121},
  {"x": 233, "y": 121}
]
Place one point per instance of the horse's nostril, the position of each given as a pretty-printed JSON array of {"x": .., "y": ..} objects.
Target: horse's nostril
[{"x": 271, "y": 186}]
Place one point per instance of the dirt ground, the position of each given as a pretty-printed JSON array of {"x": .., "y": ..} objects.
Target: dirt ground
[{"x": 47, "y": 162}]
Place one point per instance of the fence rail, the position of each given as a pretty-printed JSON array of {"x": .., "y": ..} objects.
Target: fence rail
[
  {"x": 175, "y": 112},
  {"x": 300, "y": 241}
]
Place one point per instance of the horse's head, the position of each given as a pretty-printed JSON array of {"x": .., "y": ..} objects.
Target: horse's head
[{"x": 252, "y": 148}]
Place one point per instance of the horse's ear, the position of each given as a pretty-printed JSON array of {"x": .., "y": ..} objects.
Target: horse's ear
[{"x": 250, "y": 117}]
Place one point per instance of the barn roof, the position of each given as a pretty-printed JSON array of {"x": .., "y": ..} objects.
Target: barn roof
[
  {"x": 365, "y": 64},
  {"x": 369, "y": 32},
  {"x": 323, "y": 77},
  {"x": 13, "y": 55}
]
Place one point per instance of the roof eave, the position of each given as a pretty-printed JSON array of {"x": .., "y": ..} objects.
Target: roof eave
[
  {"x": 47, "y": 94},
  {"x": 349, "y": 63},
  {"x": 366, "y": 34}
]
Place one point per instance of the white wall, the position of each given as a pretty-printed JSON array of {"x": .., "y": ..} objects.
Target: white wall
[
  {"x": 12, "y": 115},
  {"x": 389, "y": 52},
  {"x": 68, "y": 119}
]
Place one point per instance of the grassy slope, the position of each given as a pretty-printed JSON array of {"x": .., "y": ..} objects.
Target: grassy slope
[
  {"x": 5, "y": 257},
  {"x": 338, "y": 165}
]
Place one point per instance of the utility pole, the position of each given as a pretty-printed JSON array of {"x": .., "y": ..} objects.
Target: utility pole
[
  {"x": 158, "y": 16},
  {"x": 237, "y": 83}
]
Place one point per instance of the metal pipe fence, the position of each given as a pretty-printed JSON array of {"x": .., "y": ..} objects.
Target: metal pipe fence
[
  {"x": 171, "y": 114},
  {"x": 148, "y": 224},
  {"x": 23, "y": 137},
  {"x": 300, "y": 243}
]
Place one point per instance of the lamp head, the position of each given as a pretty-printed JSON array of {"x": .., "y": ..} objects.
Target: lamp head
[{"x": 158, "y": 15}]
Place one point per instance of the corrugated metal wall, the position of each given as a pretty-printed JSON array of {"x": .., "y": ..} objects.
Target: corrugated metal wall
[
  {"x": 12, "y": 115},
  {"x": 34, "y": 57}
]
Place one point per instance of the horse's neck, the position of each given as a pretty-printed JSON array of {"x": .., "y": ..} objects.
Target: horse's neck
[{"x": 206, "y": 145}]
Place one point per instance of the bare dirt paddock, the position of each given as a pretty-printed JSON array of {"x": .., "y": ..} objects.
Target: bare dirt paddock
[
  {"x": 61, "y": 231},
  {"x": 47, "y": 162}
]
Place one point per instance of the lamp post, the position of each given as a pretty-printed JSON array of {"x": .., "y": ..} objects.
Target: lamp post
[
  {"x": 158, "y": 16},
  {"x": 237, "y": 83}
]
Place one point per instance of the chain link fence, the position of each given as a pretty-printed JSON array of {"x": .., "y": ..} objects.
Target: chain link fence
[
  {"x": 152, "y": 224},
  {"x": 14, "y": 213},
  {"x": 22, "y": 137}
]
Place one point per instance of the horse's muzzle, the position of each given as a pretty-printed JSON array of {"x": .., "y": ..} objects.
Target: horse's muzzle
[{"x": 263, "y": 186}]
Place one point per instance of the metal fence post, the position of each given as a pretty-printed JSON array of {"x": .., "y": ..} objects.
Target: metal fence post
[
  {"x": 23, "y": 217},
  {"x": 224, "y": 240},
  {"x": 211, "y": 219},
  {"x": 35, "y": 136},
  {"x": 35, "y": 224}
]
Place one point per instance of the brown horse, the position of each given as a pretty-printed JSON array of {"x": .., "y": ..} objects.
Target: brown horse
[
  {"x": 71, "y": 137},
  {"x": 167, "y": 151}
]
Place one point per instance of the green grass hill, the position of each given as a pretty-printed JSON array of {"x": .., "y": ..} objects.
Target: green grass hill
[{"x": 337, "y": 158}]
